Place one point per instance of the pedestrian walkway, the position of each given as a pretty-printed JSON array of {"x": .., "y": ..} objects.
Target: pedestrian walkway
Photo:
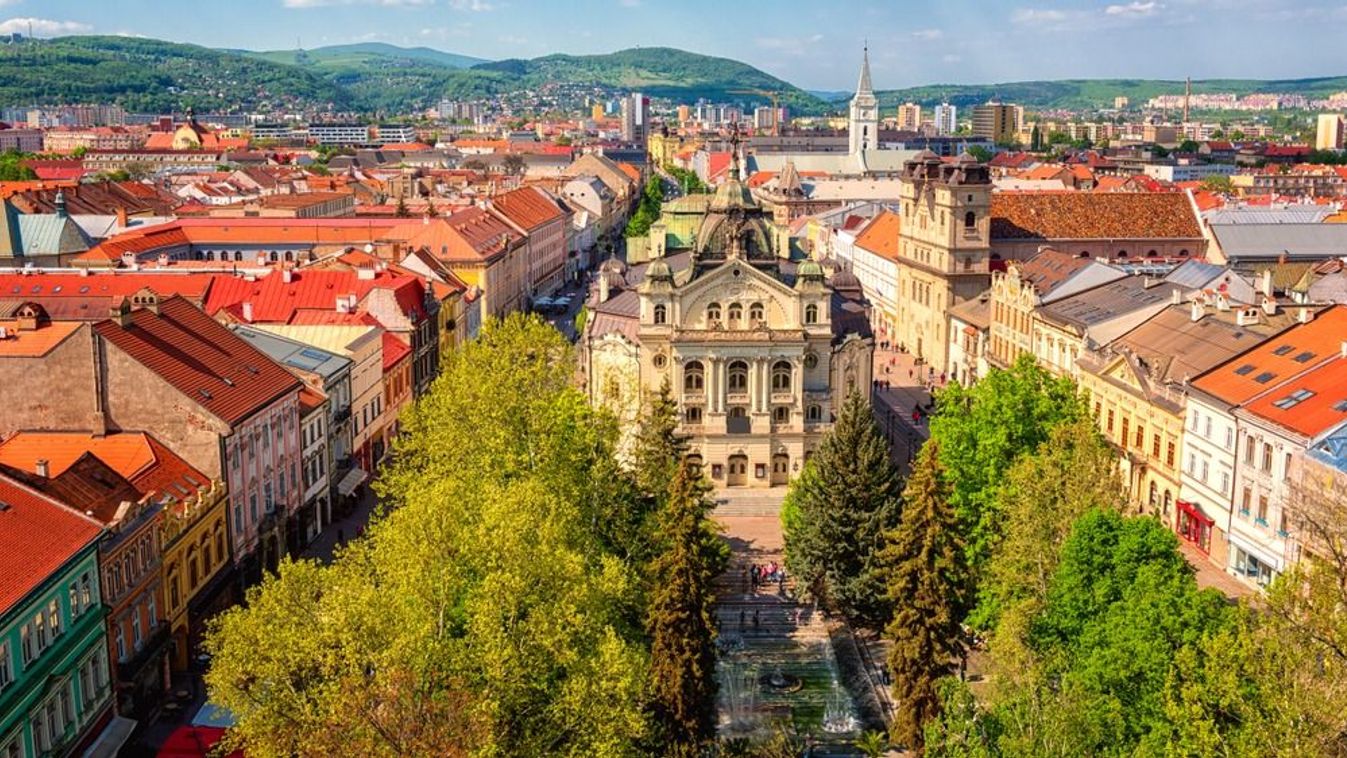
[
  {"x": 344, "y": 529},
  {"x": 1208, "y": 574}
]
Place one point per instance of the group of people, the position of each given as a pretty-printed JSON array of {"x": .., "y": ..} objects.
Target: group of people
[{"x": 759, "y": 575}]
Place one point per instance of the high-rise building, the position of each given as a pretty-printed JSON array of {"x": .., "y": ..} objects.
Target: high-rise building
[
  {"x": 999, "y": 122},
  {"x": 596, "y": 111},
  {"x": 683, "y": 113},
  {"x": 863, "y": 127},
  {"x": 635, "y": 118},
  {"x": 1120, "y": 103},
  {"x": 946, "y": 119},
  {"x": 1332, "y": 132},
  {"x": 764, "y": 118},
  {"x": 909, "y": 117}
]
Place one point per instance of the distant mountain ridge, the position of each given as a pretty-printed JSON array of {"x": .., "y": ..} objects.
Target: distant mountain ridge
[{"x": 148, "y": 75}]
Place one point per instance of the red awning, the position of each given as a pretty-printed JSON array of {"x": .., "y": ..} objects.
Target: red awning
[
  {"x": 194, "y": 742},
  {"x": 1195, "y": 512}
]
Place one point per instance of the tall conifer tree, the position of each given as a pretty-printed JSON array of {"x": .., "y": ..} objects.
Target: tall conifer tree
[
  {"x": 924, "y": 556},
  {"x": 682, "y": 631}
]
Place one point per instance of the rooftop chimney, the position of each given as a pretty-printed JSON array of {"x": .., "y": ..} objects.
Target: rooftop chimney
[
  {"x": 603, "y": 287},
  {"x": 1267, "y": 282},
  {"x": 287, "y": 275},
  {"x": 1304, "y": 316},
  {"x": 121, "y": 218},
  {"x": 365, "y": 273},
  {"x": 1176, "y": 296},
  {"x": 1270, "y": 306},
  {"x": 248, "y": 311},
  {"x": 1246, "y": 317},
  {"x": 1197, "y": 311},
  {"x": 43, "y": 470}
]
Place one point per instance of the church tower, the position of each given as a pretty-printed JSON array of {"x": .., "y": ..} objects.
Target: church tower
[{"x": 863, "y": 128}]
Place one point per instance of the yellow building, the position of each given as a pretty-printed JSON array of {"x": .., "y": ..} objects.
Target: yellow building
[
  {"x": 943, "y": 249},
  {"x": 195, "y": 551},
  {"x": 663, "y": 147},
  {"x": 596, "y": 112}
]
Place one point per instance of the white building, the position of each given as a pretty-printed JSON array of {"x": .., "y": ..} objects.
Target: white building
[
  {"x": 946, "y": 119},
  {"x": 339, "y": 134},
  {"x": 1189, "y": 172},
  {"x": 393, "y": 134}
]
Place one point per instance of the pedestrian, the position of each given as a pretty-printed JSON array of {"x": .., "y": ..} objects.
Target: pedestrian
[
  {"x": 741, "y": 618},
  {"x": 756, "y": 623},
  {"x": 910, "y": 373}
]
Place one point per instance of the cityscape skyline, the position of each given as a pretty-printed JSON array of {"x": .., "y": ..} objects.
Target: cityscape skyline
[{"x": 954, "y": 43}]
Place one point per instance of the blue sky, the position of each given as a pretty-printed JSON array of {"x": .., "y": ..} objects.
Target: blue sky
[{"x": 811, "y": 43}]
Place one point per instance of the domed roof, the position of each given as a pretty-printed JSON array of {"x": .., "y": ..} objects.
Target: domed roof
[
  {"x": 732, "y": 194},
  {"x": 809, "y": 269},
  {"x": 613, "y": 266},
  {"x": 845, "y": 280},
  {"x": 658, "y": 269}
]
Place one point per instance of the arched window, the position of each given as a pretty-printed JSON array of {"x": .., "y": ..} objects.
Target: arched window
[
  {"x": 272, "y": 256},
  {"x": 736, "y": 314},
  {"x": 238, "y": 255},
  {"x": 814, "y": 413},
  {"x": 193, "y": 571},
  {"x": 755, "y": 313},
  {"x": 1152, "y": 254},
  {"x": 1121, "y": 254},
  {"x": 713, "y": 312},
  {"x": 811, "y": 314},
  {"x": 738, "y": 377},
  {"x": 289, "y": 255},
  {"x": 781, "y": 376},
  {"x": 693, "y": 415},
  {"x": 661, "y": 314},
  {"x": 781, "y": 414},
  {"x": 205, "y": 555},
  {"x": 970, "y": 220},
  {"x": 1183, "y": 253},
  {"x": 694, "y": 376}
]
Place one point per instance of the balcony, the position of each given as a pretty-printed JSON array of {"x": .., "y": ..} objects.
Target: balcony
[
  {"x": 783, "y": 397},
  {"x": 736, "y": 398}
]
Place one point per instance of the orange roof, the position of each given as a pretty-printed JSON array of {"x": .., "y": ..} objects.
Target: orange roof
[
  {"x": 630, "y": 170},
  {"x": 38, "y": 536},
  {"x": 243, "y": 231},
  {"x": 406, "y": 147},
  {"x": 880, "y": 236},
  {"x": 310, "y": 399},
  {"x": 34, "y": 343},
  {"x": 1271, "y": 363},
  {"x": 395, "y": 350},
  {"x": 1311, "y": 403},
  {"x": 141, "y": 459},
  {"x": 528, "y": 207}
]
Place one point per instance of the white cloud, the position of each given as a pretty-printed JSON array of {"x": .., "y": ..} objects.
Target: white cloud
[
  {"x": 42, "y": 27},
  {"x": 3, "y": 3},
  {"x": 928, "y": 34},
  {"x": 330, "y": 3},
  {"x": 1134, "y": 9},
  {"x": 952, "y": 58},
  {"x": 475, "y": 6},
  {"x": 1038, "y": 16}
]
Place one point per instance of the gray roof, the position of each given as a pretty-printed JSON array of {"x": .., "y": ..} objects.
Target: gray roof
[
  {"x": 1270, "y": 241},
  {"x": 1107, "y": 302},
  {"x": 1195, "y": 274},
  {"x": 1277, "y": 214},
  {"x": 294, "y": 354},
  {"x": 50, "y": 234}
]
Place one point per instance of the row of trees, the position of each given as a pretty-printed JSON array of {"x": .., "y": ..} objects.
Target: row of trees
[
  {"x": 1099, "y": 641},
  {"x": 647, "y": 213},
  {"x": 520, "y": 593}
]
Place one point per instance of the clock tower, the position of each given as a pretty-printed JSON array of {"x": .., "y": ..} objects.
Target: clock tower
[{"x": 864, "y": 124}]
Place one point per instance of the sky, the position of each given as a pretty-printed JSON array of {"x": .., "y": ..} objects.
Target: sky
[{"x": 815, "y": 44}]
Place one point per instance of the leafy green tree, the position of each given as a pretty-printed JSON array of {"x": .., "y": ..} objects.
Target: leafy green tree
[
  {"x": 981, "y": 153},
  {"x": 924, "y": 560},
  {"x": 1218, "y": 183},
  {"x": 489, "y": 599},
  {"x": 682, "y": 630},
  {"x": 983, "y": 429},
  {"x": 1041, "y": 496},
  {"x": 647, "y": 212},
  {"x": 1188, "y": 146},
  {"x": 658, "y": 448},
  {"x": 401, "y": 210},
  {"x": 13, "y": 168},
  {"x": 846, "y": 499},
  {"x": 1036, "y": 140},
  {"x": 513, "y": 163}
]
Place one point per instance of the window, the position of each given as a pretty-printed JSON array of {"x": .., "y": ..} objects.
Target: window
[
  {"x": 1225, "y": 482},
  {"x": 1230, "y": 438},
  {"x": 1206, "y": 432},
  {"x": 1122, "y": 439},
  {"x": 1246, "y": 502},
  {"x": 6, "y": 673},
  {"x": 1169, "y": 455},
  {"x": 54, "y": 617},
  {"x": 693, "y": 415},
  {"x": 1286, "y": 468},
  {"x": 1267, "y": 457},
  {"x": 780, "y": 414},
  {"x": 814, "y": 413},
  {"x": 87, "y": 681},
  {"x": 713, "y": 312},
  {"x": 193, "y": 572},
  {"x": 1155, "y": 447},
  {"x": 811, "y": 314},
  {"x": 1249, "y": 447},
  {"x": 738, "y": 377},
  {"x": 136, "y": 638},
  {"x": 781, "y": 376},
  {"x": 1110, "y": 421},
  {"x": 220, "y": 541},
  {"x": 1140, "y": 442},
  {"x": 661, "y": 314},
  {"x": 1262, "y": 510},
  {"x": 152, "y": 611},
  {"x": 693, "y": 377},
  {"x": 970, "y": 220},
  {"x": 736, "y": 314},
  {"x": 756, "y": 313},
  {"x": 119, "y": 641}
]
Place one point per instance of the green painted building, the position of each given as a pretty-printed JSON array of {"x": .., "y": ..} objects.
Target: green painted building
[{"x": 55, "y": 689}]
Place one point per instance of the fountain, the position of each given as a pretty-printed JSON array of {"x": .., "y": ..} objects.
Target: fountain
[
  {"x": 837, "y": 716},
  {"x": 739, "y": 687}
]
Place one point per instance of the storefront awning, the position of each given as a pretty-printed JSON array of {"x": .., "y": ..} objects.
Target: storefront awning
[
  {"x": 354, "y": 478},
  {"x": 1195, "y": 512},
  {"x": 114, "y": 735}
]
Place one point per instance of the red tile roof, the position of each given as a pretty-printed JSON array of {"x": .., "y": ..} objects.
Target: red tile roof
[
  {"x": 277, "y": 301},
  {"x": 207, "y": 363},
  {"x": 880, "y": 236},
  {"x": 37, "y": 536},
  {"x": 1263, "y": 368},
  {"x": 1091, "y": 215},
  {"x": 1311, "y": 403},
  {"x": 138, "y": 457},
  {"x": 528, "y": 207},
  {"x": 394, "y": 351}
]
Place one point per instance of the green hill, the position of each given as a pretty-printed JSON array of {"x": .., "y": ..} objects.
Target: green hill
[
  {"x": 659, "y": 71},
  {"x": 152, "y": 75},
  {"x": 336, "y": 56},
  {"x": 1098, "y": 93}
]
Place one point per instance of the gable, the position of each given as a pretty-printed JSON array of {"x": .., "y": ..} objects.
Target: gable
[{"x": 722, "y": 286}]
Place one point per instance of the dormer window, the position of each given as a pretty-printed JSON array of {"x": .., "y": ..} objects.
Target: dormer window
[
  {"x": 736, "y": 314},
  {"x": 755, "y": 313},
  {"x": 661, "y": 314},
  {"x": 713, "y": 313}
]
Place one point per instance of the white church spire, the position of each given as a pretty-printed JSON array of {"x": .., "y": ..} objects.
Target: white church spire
[
  {"x": 863, "y": 86},
  {"x": 863, "y": 126}
]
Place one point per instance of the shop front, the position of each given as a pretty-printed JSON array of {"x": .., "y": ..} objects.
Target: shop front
[{"x": 1194, "y": 526}]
